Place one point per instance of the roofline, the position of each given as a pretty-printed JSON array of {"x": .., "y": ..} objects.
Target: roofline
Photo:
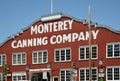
[
  {"x": 94, "y": 24},
  {"x": 62, "y": 15}
]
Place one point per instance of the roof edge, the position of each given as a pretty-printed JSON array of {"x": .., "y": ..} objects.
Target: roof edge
[{"x": 62, "y": 15}]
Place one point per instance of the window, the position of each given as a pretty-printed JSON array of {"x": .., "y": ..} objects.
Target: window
[
  {"x": 62, "y": 55},
  {"x": 40, "y": 57},
  {"x": 18, "y": 76},
  {"x": 2, "y": 59},
  {"x": 65, "y": 75},
  {"x": 113, "y": 73},
  {"x": 19, "y": 59},
  {"x": 84, "y": 74},
  {"x": 113, "y": 50},
  {"x": 84, "y": 52}
]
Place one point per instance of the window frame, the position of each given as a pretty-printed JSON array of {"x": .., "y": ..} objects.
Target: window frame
[
  {"x": 18, "y": 74},
  {"x": 16, "y": 56},
  {"x": 1, "y": 55},
  {"x": 85, "y": 73},
  {"x": 85, "y": 47},
  {"x": 65, "y": 59},
  {"x": 112, "y": 67},
  {"x": 113, "y": 46},
  {"x": 37, "y": 52},
  {"x": 65, "y": 73}
]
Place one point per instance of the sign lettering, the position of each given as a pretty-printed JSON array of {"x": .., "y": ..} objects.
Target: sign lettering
[
  {"x": 54, "y": 39},
  {"x": 52, "y": 27}
]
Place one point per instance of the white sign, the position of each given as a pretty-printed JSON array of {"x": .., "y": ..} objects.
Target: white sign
[
  {"x": 101, "y": 74},
  {"x": 74, "y": 74},
  {"x": 45, "y": 75},
  {"x": 9, "y": 74}
]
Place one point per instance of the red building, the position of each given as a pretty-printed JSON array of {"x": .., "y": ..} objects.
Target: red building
[{"x": 55, "y": 48}]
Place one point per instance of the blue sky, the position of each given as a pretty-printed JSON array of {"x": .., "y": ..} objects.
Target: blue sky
[{"x": 19, "y": 14}]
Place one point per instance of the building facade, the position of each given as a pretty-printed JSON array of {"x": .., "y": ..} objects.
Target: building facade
[{"x": 55, "y": 48}]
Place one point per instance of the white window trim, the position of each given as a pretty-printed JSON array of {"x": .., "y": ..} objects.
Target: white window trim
[
  {"x": 60, "y": 55},
  {"x": 113, "y": 48},
  {"x": 18, "y": 74},
  {"x": 17, "y": 54},
  {"x": 42, "y": 57},
  {"x": 65, "y": 72},
  {"x": 85, "y": 73},
  {"x": 85, "y": 52},
  {"x": 113, "y": 72},
  {"x": 2, "y": 60}
]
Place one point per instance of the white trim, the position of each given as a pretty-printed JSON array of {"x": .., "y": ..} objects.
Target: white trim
[
  {"x": 39, "y": 70},
  {"x": 2, "y": 59},
  {"x": 37, "y": 56},
  {"x": 51, "y": 17},
  {"x": 21, "y": 53},
  {"x": 112, "y": 67},
  {"x": 88, "y": 69},
  {"x": 113, "y": 43},
  {"x": 85, "y": 52},
  {"x": 59, "y": 49},
  {"x": 18, "y": 73},
  {"x": 65, "y": 72}
]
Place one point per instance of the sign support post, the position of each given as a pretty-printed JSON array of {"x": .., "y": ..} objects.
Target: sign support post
[
  {"x": 89, "y": 29},
  {"x": 51, "y": 6}
]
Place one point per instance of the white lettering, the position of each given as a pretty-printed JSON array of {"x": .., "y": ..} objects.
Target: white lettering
[
  {"x": 13, "y": 44},
  {"x": 46, "y": 27},
  {"x": 65, "y": 25},
  {"x": 19, "y": 44},
  {"x": 34, "y": 43},
  {"x": 59, "y": 39},
  {"x": 95, "y": 34},
  {"x": 81, "y": 36},
  {"x": 44, "y": 41},
  {"x": 34, "y": 29},
  {"x": 55, "y": 26},
  {"x": 52, "y": 27},
  {"x": 60, "y": 24},
  {"x": 40, "y": 28},
  {"x": 24, "y": 43},
  {"x": 87, "y": 35},
  {"x": 66, "y": 38},
  {"x": 29, "y": 42},
  {"x": 74, "y": 37},
  {"x": 70, "y": 24},
  {"x": 52, "y": 39}
]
